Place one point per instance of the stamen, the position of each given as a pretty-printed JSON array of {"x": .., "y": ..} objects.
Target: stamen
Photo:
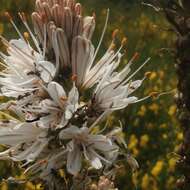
[
  {"x": 112, "y": 46},
  {"x": 147, "y": 74},
  {"x": 98, "y": 119},
  {"x": 114, "y": 34},
  {"x": 131, "y": 76},
  {"x": 4, "y": 65},
  {"x": 135, "y": 56},
  {"x": 23, "y": 18},
  {"x": 7, "y": 14},
  {"x": 41, "y": 162},
  {"x": 26, "y": 36},
  {"x": 102, "y": 37},
  {"x": 45, "y": 41},
  {"x": 124, "y": 41}
]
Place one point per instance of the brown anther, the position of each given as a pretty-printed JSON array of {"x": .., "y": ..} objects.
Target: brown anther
[
  {"x": 112, "y": 47},
  {"x": 114, "y": 34},
  {"x": 63, "y": 98},
  {"x": 7, "y": 14},
  {"x": 74, "y": 78},
  {"x": 135, "y": 56},
  {"x": 26, "y": 36},
  {"x": 148, "y": 74},
  {"x": 154, "y": 94},
  {"x": 124, "y": 41},
  {"x": 43, "y": 162}
]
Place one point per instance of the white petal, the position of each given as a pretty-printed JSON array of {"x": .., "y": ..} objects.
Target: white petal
[
  {"x": 74, "y": 161},
  {"x": 69, "y": 132},
  {"x": 22, "y": 133},
  {"x": 56, "y": 91},
  {"x": 47, "y": 70}
]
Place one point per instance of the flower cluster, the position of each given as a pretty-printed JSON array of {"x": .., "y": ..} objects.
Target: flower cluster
[{"x": 58, "y": 91}]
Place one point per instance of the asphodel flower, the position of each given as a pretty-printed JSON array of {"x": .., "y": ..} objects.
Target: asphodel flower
[
  {"x": 51, "y": 119},
  {"x": 95, "y": 148}
]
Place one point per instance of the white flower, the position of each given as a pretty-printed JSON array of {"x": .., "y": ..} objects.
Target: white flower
[
  {"x": 114, "y": 89},
  {"x": 24, "y": 68},
  {"x": 58, "y": 109},
  {"x": 25, "y": 141},
  {"x": 95, "y": 148}
]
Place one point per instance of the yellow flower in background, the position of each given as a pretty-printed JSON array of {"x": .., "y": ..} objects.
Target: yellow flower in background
[
  {"x": 142, "y": 111},
  {"x": 180, "y": 136},
  {"x": 144, "y": 140},
  {"x": 135, "y": 152},
  {"x": 1, "y": 28},
  {"x": 171, "y": 164},
  {"x": 172, "y": 110},
  {"x": 161, "y": 74},
  {"x": 4, "y": 186},
  {"x": 163, "y": 126},
  {"x": 30, "y": 186},
  {"x": 154, "y": 107},
  {"x": 170, "y": 182},
  {"x": 145, "y": 181},
  {"x": 133, "y": 141},
  {"x": 164, "y": 136},
  {"x": 156, "y": 170}
]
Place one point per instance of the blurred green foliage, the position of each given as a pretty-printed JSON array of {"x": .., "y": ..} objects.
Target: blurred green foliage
[{"x": 151, "y": 129}]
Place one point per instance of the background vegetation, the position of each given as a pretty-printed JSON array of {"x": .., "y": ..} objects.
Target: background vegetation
[{"x": 151, "y": 129}]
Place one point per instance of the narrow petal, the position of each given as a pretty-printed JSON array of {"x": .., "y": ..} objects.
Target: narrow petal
[{"x": 74, "y": 161}]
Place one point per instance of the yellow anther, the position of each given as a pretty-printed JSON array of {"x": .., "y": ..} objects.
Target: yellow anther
[
  {"x": 124, "y": 41},
  {"x": 115, "y": 32},
  {"x": 74, "y": 78},
  {"x": 148, "y": 74},
  {"x": 7, "y": 14},
  {"x": 26, "y": 36}
]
